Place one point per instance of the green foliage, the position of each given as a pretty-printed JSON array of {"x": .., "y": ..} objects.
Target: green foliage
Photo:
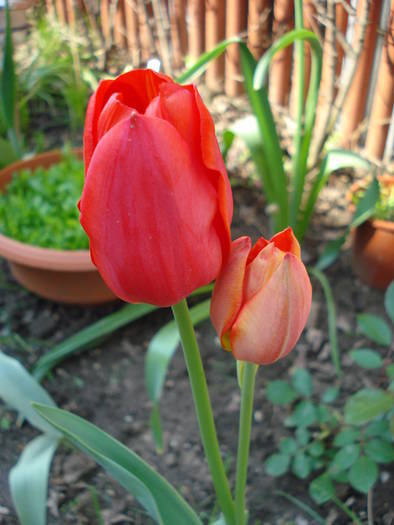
[
  {"x": 384, "y": 206},
  {"x": 375, "y": 328},
  {"x": 55, "y": 69},
  {"x": 41, "y": 208}
]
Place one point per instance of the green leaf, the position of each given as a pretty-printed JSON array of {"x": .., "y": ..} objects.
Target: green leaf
[
  {"x": 323, "y": 414},
  {"x": 288, "y": 446},
  {"x": 203, "y": 61},
  {"x": 321, "y": 489},
  {"x": 367, "y": 404},
  {"x": 389, "y": 301},
  {"x": 7, "y": 153},
  {"x": 303, "y": 506},
  {"x": 18, "y": 389},
  {"x": 8, "y": 82},
  {"x": 330, "y": 394},
  {"x": 29, "y": 480},
  {"x": 84, "y": 339},
  {"x": 347, "y": 437},
  {"x": 275, "y": 181},
  {"x": 302, "y": 382},
  {"x": 344, "y": 458},
  {"x": 375, "y": 328},
  {"x": 366, "y": 358},
  {"x": 155, "y": 494},
  {"x": 330, "y": 253},
  {"x": 379, "y": 450},
  {"x": 277, "y": 464},
  {"x": 304, "y": 415},
  {"x": 334, "y": 160},
  {"x": 156, "y": 427},
  {"x": 365, "y": 207},
  {"x": 390, "y": 371},
  {"x": 377, "y": 428},
  {"x": 316, "y": 449},
  {"x": 303, "y": 436},
  {"x": 363, "y": 474},
  {"x": 301, "y": 465},
  {"x": 279, "y": 392}
]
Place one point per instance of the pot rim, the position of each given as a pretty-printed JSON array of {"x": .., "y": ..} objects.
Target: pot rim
[{"x": 36, "y": 256}]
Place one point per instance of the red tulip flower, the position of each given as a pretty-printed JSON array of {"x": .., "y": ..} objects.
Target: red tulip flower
[
  {"x": 157, "y": 202},
  {"x": 262, "y": 298}
]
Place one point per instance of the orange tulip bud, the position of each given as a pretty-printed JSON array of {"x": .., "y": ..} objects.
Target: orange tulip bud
[{"x": 262, "y": 298}]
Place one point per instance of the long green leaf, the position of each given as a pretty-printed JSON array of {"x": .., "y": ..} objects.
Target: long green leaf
[
  {"x": 331, "y": 318},
  {"x": 156, "y": 495},
  {"x": 160, "y": 352},
  {"x": 202, "y": 62},
  {"x": 87, "y": 336},
  {"x": 8, "y": 84},
  {"x": 29, "y": 480},
  {"x": 18, "y": 389},
  {"x": 276, "y": 178},
  {"x": 334, "y": 160},
  {"x": 366, "y": 205}
]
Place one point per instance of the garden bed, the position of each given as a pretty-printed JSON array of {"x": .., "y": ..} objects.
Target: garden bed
[{"x": 106, "y": 386}]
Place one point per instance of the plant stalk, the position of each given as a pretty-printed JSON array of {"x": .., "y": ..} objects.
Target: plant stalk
[
  {"x": 245, "y": 424},
  {"x": 204, "y": 410}
]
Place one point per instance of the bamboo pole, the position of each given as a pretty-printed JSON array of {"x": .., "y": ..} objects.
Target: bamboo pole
[
  {"x": 133, "y": 40},
  {"x": 105, "y": 22},
  {"x": 259, "y": 17},
  {"x": 178, "y": 31},
  {"x": 235, "y": 25},
  {"x": 382, "y": 106},
  {"x": 279, "y": 83},
  {"x": 214, "y": 33},
  {"x": 196, "y": 27},
  {"x": 354, "y": 107},
  {"x": 120, "y": 26},
  {"x": 60, "y": 11}
]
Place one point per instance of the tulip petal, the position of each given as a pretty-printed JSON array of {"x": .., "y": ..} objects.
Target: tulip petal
[
  {"x": 260, "y": 270},
  {"x": 287, "y": 242},
  {"x": 270, "y": 324},
  {"x": 113, "y": 112},
  {"x": 138, "y": 87},
  {"x": 228, "y": 291},
  {"x": 152, "y": 228}
]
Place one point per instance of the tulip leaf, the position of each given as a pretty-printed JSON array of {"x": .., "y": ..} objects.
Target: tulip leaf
[
  {"x": 389, "y": 301},
  {"x": 160, "y": 352},
  {"x": 161, "y": 501},
  {"x": 18, "y": 389},
  {"x": 29, "y": 480},
  {"x": 84, "y": 339}
]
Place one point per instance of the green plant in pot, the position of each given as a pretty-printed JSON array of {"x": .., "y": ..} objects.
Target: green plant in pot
[
  {"x": 40, "y": 234},
  {"x": 373, "y": 240}
]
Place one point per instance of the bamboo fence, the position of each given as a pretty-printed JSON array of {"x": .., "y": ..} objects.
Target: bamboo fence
[{"x": 357, "y": 86}]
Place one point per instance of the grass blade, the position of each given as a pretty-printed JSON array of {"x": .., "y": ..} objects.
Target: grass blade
[
  {"x": 331, "y": 318},
  {"x": 303, "y": 506},
  {"x": 86, "y": 337}
]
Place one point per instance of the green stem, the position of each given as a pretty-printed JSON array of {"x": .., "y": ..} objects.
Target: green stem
[
  {"x": 347, "y": 511},
  {"x": 204, "y": 410},
  {"x": 245, "y": 423}
]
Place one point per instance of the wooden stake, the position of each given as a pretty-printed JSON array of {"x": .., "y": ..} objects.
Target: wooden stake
[
  {"x": 178, "y": 31},
  {"x": 259, "y": 18},
  {"x": 382, "y": 106},
  {"x": 235, "y": 25},
  {"x": 133, "y": 40},
  {"x": 196, "y": 27},
  {"x": 215, "y": 31}
]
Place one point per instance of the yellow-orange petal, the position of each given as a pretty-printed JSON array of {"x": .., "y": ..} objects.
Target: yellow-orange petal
[
  {"x": 269, "y": 325},
  {"x": 287, "y": 242},
  {"x": 228, "y": 292}
]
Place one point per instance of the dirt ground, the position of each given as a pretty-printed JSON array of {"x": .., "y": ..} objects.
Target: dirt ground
[{"x": 106, "y": 386}]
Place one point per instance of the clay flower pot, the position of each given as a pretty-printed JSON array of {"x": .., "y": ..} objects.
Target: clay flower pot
[
  {"x": 373, "y": 246},
  {"x": 60, "y": 275}
]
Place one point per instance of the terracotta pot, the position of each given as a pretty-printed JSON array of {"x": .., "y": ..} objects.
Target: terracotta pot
[
  {"x": 373, "y": 247},
  {"x": 60, "y": 275}
]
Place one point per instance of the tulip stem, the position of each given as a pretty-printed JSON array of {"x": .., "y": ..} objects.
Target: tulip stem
[
  {"x": 245, "y": 424},
  {"x": 204, "y": 409}
]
